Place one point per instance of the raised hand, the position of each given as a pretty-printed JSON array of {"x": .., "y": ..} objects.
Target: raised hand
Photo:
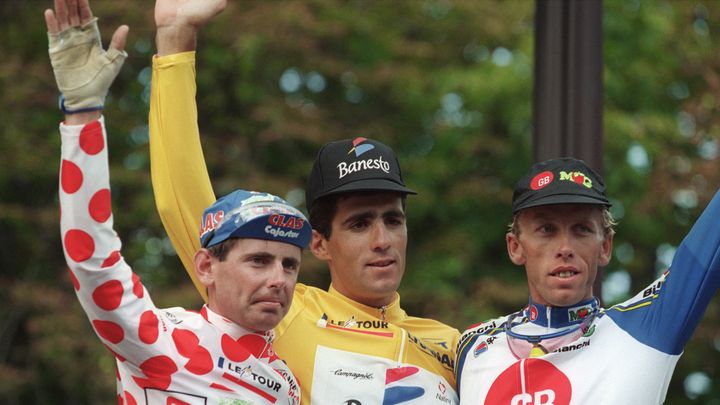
[
  {"x": 178, "y": 22},
  {"x": 83, "y": 70}
]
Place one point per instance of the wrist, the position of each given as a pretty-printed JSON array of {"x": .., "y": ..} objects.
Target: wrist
[
  {"x": 175, "y": 39},
  {"x": 82, "y": 118}
]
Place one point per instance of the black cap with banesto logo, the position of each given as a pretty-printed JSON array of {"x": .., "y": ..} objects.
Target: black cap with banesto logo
[
  {"x": 559, "y": 181},
  {"x": 354, "y": 165}
]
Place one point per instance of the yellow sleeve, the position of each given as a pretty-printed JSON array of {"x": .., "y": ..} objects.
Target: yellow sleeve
[{"x": 180, "y": 178}]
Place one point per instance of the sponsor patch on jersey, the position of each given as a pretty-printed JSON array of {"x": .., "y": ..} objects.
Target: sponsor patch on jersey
[
  {"x": 326, "y": 323},
  {"x": 533, "y": 313},
  {"x": 399, "y": 385},
  {"x": 391, "y": 383},
  {"x": 443, "y": 358},
  {"x": 480, "y": 349},
  {"x": 580, "y": 312},
  {"x": 551, "y": 386}
]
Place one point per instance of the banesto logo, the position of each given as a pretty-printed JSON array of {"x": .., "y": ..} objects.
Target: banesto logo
[
  {"x": 358, "y": 149},
  {"x": 368, "y": 164}
]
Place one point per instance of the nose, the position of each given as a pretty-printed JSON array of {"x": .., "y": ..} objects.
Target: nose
[
  {"x": 380, "y": 237},
  {"x": 276, "y": 278},
  {"x": 565, "y": 248}
]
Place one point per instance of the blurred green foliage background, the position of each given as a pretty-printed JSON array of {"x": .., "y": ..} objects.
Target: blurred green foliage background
[{"x": 447, "y": 83}]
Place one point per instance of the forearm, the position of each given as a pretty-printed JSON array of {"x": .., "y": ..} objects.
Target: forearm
[
  {"x": 181, "y": 183},
  {"x": 92, "y": 248}
]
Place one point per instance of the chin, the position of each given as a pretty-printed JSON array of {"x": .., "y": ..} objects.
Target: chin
[{"x": 566, "y": 301}]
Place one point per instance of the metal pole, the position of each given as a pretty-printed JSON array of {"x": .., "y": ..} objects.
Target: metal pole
[{"x": 567, "y": 97}]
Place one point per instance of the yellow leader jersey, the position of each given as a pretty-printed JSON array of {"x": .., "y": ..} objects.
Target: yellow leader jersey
[{"x": 341, "y": 351}]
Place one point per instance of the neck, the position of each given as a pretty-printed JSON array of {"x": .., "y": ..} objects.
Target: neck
[{"x": 558, "y": 317}]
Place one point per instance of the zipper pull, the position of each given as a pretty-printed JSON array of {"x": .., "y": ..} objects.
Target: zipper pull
[{"x": 383, "y": 309}]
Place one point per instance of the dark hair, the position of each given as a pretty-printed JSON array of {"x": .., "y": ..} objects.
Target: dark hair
[
  {"x": 322, "y": 213},
  {"x": 221, "y": 250},
  {"x": 324, "y": 209}
]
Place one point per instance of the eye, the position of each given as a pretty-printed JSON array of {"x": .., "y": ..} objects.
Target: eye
[
  {"x": 585, "y": 229},
  {"x": 259, "y": 260},
  {"x": 395, "y": 221},
  {"x": 358, "y": 225},
  {"x": 290, "y": 265},
  {"x": 546, "y": 228}
]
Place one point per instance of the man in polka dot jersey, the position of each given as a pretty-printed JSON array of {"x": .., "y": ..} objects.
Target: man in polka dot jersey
[{"x": 249, "y": 260}]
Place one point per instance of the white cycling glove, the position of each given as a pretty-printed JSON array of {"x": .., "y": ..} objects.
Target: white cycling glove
[{"x": 83, "y": 70}]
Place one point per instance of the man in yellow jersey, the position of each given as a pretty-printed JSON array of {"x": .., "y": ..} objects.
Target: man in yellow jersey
[{"x": 352, "y": 344}]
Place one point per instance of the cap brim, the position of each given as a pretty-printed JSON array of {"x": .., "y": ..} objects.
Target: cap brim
[
  {"x": 368, "y": 185},
  {"x": 561, "y": 199}
]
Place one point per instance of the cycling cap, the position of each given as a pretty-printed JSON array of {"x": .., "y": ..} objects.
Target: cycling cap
[
  {"x": 354, "y": 165},
  {"x": 559, "y": 181},
  {"x": 249, "y": 214}
]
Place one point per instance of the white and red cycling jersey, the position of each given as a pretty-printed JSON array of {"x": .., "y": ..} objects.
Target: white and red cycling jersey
[
  {"x": 624, "y": 354},
  {"x": 164, "y": 356}
]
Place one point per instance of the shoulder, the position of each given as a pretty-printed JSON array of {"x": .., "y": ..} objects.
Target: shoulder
[
  {"x": 305, "y": 300},
  {"x": 643, "y": 298},
  {"x": 488, "y": 327},
  {"x": 422, "y": 324},
  {"x": 178, "y": 316},
  {"x": 305, "y": 293}
]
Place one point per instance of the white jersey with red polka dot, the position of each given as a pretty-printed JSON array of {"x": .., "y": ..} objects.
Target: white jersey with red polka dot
[{"x": 163, "y": 355}]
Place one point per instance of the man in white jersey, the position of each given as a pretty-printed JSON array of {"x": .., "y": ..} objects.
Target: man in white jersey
[
  {"x": 248, "y": 262},
  {"x": 563, "y": 348}
]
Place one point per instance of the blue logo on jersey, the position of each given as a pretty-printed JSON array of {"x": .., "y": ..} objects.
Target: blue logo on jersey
[{"x": 397, "y": 394}]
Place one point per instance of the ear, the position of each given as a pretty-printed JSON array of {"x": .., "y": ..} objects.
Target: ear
[
  {"x": 318, "y": 246},
  {"x": 606, "y": 251},
  {"x": 515, "y": 249},
  {"x": 203, "y": 261}
]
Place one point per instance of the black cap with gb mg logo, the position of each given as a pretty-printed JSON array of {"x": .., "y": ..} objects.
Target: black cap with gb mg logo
[
  {"x": 354, "y": 165},
  {"x": 559, "y": 181}
]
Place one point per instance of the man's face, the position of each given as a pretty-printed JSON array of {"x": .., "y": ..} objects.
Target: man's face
[
  {"x": 254, "y": 285},
  {"x": 561, "y": 247},
  {"x": 366, "y": 248}
]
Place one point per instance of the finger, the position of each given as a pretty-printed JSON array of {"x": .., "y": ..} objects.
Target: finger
[
  {"x": 119, "y": 37},
  {"x": 73, "y": 13},
  {"x": 51, "y": 22},
  {"x": 85, "y": 12},
  {"x": 62, "y": 14}
]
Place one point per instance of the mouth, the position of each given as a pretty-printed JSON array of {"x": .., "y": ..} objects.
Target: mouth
[
  {"x": 381, "y": 264},
  {"x": 269, "y": 302},
  {"x": 564, "y": 272}
]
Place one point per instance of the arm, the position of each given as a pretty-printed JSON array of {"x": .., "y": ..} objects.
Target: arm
[
  {"x": 666, "y": 313},
  {"x": 101, "y": 277},
  {"x": 179, "y": 176}
]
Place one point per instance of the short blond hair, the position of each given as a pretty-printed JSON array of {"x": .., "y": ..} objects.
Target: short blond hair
[{"x": 608, "y": 224}]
